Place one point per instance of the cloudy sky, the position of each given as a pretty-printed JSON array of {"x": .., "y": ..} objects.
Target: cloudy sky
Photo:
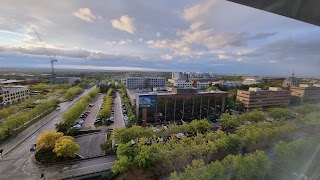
[{"x": 184, "y": 35}]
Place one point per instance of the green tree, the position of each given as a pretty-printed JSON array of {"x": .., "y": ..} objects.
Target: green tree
[
  {"x": 230, "y": 121},
  {"x": 253, "y": 116},
  {"x": 122, "y": 165},
  {"x": 66, "y": 147},
  {"x": 279, "y": 113},
  {"x": 292, "y": 155}
]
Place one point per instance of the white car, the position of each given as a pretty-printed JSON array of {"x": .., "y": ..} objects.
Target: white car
[{"x": 77, "y": 126}]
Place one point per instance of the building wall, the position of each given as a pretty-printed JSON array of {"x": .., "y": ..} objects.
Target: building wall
[
  {"x": 142, "y": 83},
  {"x": 8, "y": 95},
  {"x": 263, "y": 99},
  {"x": 306, "y": 94},
  {"x": 174, "y": 107}
]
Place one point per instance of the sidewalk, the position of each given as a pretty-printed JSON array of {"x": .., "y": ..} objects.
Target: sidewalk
[{"x": 75, "y": 168}]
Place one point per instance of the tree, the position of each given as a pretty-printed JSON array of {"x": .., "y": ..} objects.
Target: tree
[
  {"x": 48, "y": 139},
  {"x": 66, "y": 147},
  {"x": 253, "y": 116},
  {"x": 107, "y": 147},
  {"x": 292, "y": 155},
  {"x": 201, "y": 126},
  {"x": 146, "y": 158},
  {"x": 307, "y": 108},
  {"x": 123, "y": 164},
  {"x": 230, "y": 121},
  {"x": 279, "y": 113}
]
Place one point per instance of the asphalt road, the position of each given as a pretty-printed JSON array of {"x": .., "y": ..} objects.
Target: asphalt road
[
  {"x": 118, "y": 123},
  {"x": 89, "y": 121},
  {"x": 15, "y": 163}
]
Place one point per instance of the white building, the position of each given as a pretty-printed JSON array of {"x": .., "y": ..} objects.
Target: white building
[
  {"x": 178, "y": 75},
  {"x": 183, "y": 84},
  {"x": 142, "y": 83},
  {"x": 251, "y": 81},
  {"x": 10, "y": 94},
  {"x": 198, "y": 85},
  {"x": 201, "y": 85},
  {"x": 123, "y": 81},
  {"x": 228, "y": 83}
]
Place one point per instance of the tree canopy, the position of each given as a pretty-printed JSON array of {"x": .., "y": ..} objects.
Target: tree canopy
[
  {"x": 66, "y": 147},
  {"x": 48, "y": 139}
]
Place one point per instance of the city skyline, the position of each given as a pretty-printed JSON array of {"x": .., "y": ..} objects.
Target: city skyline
[{"x": 157, "y": 36}]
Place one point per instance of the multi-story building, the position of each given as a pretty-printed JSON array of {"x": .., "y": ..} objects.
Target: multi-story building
[
  {"x": 193, "y": 84},
  {"x": 258, "y": 98},
  {"x": 200, "y": 85},
  {"x": 10, "y": 94},
  {"x": 123, "y": 81},
  {"x": 228, "y": 83},
  {"x": 145, "y": 82},
  {"x": 183, "y": 84},
  {"x": 185, "y": 104},
  {"x": 306, "y": 92},
  {"x": 178, "y": 75}
]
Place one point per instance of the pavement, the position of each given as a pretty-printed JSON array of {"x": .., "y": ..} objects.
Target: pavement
[
  {"x": 16, "y": 162},
  {"x": 118, "y": 116},
  {"x": 89, "y": 121},
  {"x": 90, "y": 145}
]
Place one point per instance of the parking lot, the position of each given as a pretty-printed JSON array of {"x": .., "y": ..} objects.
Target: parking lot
[
  {"x": 89, "y": 120},
  {"x": 90, "y": 144},
  {"x": 118, "y": 115}
]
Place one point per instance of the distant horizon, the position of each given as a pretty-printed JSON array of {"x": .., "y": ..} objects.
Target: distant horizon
[{"x": 48, "y": 70}]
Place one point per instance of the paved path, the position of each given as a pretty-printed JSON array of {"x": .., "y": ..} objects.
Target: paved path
[
  {"x": 118, "y": 123},
  {"x": 89, "y": 121}
]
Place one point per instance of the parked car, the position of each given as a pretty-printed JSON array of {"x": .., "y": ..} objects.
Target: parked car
[
  {"x": 77, "y": 126},
  {"x": 87, "y": 112},
  {"x": 80, "y": 121},
  {"x": 91, "y": 105},
  {"x": 98, "y": 121}
]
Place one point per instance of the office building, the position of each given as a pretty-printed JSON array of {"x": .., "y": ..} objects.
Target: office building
[
  {"x": 145, "y": 82},
  {"x": 258, "y": 98},
  {"x": 181, "y": 103},
  {"x": 227, "y": 83},
  {"x": 306, "y": 92},
  {"x": 10, "y": 94},
  {"x": 178, "y": 75}
]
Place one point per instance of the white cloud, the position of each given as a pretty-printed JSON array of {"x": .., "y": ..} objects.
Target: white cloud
[
  {"x": 120, "y": 43},
  {"x": 84, "y": 14},
  {"x": 166, "y": 57},
  {"x": 197, "y": 11},
  {"x": 125, "y": 23},
  {"x": 223, "y": 56},
  {"x": 158, "y": 34}
]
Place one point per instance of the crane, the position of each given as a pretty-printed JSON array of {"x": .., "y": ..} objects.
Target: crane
[{"x": 52, "y": 59}]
